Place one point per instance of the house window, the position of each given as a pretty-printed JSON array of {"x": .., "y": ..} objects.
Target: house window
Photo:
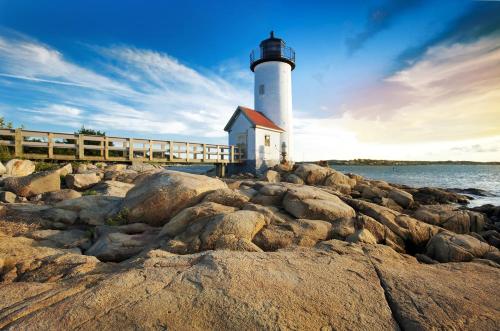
[
  {"x": 242, "y": 144},
  {"x": 261, "y": 89},
  {"x": 267, "y": 140}
]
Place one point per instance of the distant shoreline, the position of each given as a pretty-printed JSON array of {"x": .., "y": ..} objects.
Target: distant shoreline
[{"x": 400, "y": 163}]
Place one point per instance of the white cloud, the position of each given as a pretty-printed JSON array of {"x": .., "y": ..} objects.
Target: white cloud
[
  {"x": 434, "y": 109},
  {"x": 29, "y": 60},
  {"x": 456, "y": 69},
  {"x": 61, "y": 112},
  {"x": 66, "y": 110},
  {"x": 170, "y": 92}
]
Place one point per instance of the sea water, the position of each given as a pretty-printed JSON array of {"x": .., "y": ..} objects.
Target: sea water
[{"x": 484, "y": 177}]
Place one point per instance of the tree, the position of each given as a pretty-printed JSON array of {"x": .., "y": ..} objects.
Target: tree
[
  {"x": 90, "y": 132},
  {"x": 5, "y": 152},
  {"x": 4, "y": 124}
]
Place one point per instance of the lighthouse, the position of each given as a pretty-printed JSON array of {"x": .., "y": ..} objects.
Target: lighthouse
[
  {"x": 265, "y": 134},
  {"x": 272, "y": 65}
]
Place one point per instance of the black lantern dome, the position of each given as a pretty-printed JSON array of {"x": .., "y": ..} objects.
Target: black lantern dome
[{"x": 272, "y": 49}]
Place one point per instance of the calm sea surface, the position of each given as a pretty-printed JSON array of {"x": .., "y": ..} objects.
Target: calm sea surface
[{"x": 485, "y": 177}]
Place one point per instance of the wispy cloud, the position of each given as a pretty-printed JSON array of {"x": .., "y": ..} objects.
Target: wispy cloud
[
  {"x": 172, "y": 92},
  {"x": 482, "y": 19},
  {"x": 379, "y": 19},
  {"x": 138, "y": 90},
  {"x": 70, "y": 116},
  {"x": 58, "y": 110},
  {"x": 28, "y": 60},
  {"x": 452, "y": 93},
  {"x": 436, "y": 108}
]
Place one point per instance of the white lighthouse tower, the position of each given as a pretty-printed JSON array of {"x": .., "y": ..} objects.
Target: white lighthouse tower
[
  {"x": 264, "y": 135},
  {"x": 272, "y": 64}
]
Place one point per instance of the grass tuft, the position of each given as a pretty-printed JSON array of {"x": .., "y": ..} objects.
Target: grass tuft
[{"x": 119, "y": 219}]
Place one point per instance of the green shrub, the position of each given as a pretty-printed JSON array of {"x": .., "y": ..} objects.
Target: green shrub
[
  {"x": 118, "y": 219},
  {"x": 74, "y": 165},
  {"x": 100, "y": 165},
  {"x": 44, "y": 166},
  {"x": 5, "y": 153},
  {"x": 90, "y": 233}
]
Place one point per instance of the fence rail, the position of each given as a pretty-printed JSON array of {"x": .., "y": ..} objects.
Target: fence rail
[{"x": 42, "y": 145}]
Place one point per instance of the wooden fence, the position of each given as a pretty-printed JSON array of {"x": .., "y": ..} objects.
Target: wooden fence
[{"x": 43, "y": 145}]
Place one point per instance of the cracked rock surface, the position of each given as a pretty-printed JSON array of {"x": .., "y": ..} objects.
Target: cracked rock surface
[{"x": 149, "y": 249}]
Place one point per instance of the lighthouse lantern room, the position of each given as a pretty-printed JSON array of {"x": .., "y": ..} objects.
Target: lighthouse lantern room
[{"x": 265, "y": 133}]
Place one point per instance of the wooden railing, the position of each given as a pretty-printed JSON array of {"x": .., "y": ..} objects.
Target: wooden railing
[{"x": 43, "y": 145}]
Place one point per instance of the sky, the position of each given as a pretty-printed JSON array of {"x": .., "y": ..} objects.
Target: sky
[{"x": 385, "y": 79}]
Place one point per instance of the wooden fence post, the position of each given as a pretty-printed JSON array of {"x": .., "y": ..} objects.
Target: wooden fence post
[
  {"x": 171, "y": 150},
  {"x": 101, "y": 146},
  {"x": 50, "y": 142},
  {"x": 18, "y": 147},
  {"x": 130, "y": 149},
  {"x": 150, "y": 150},
  {"x": 218, "y": 152},
  {"x": 106, "y": 148},
  {"x": 204, "y": 152},
  {"x": 231, "y": 157},
  {"x": 81, "y": 146},
  {"x": 187, "y": 152},
  {"x": 220, "y": 170}
]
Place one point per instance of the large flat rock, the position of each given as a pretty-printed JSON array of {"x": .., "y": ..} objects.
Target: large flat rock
[
  {"x": 335, "y": 285},
  {"x": 301, "y": 289},
  {"x": 27, "y": 260},
  {"x": 447, "y": 296}
]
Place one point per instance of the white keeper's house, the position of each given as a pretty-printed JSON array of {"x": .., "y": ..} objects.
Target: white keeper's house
[{"x": 264, "y": 134}]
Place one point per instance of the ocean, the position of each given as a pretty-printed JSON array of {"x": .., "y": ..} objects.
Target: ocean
[{"x": 484, "y": 177}]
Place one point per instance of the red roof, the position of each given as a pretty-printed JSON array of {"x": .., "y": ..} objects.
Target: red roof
[{"x": 255, "y": 117}]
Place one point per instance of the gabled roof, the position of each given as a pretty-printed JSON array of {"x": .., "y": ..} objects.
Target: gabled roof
[{"x": 258, "y": 119}]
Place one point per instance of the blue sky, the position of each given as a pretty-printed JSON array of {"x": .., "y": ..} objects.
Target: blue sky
[{"x": 374, "y": 79}]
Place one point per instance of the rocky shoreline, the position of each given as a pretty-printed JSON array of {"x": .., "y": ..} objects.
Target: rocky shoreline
[{"x": 140, "y": 247}]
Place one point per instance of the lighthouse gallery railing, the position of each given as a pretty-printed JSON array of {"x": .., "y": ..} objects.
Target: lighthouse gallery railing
[{"x": 283, "y": 52}]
